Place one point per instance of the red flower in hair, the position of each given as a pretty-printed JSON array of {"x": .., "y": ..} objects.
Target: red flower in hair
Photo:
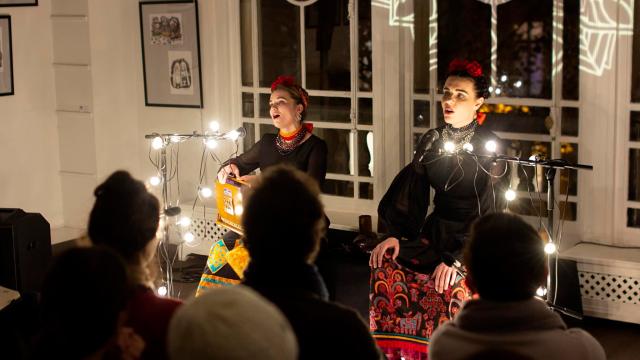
[
  {"x": 286, "y": 80},
  {"x": 472, "y": 68}
]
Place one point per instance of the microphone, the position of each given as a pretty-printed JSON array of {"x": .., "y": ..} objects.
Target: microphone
[
  {"x": 451, "y": 261},
  {"x": 235, "y": 134},
  {"x": 425, "y": 144}
]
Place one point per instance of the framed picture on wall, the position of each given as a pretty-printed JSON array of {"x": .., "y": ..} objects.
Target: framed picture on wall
[
  {"x": 171, "y": 53},
  {"x": 18, "y": 2},
  {"x": 6, "y": 56}
]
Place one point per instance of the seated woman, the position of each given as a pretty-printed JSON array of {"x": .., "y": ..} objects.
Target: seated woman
[
  {"x": 282, "y": 270},
  {"x": 294, "y": 144},
  {"x": 125, "y": 218}
]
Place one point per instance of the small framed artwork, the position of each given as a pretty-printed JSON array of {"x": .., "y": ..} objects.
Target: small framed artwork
[
  {"x": 6, "y": 56},
  {"x": 171, "y": 53},
  {"x": 18, "y": 2}
]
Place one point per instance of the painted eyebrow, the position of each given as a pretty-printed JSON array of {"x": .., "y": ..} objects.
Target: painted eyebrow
[
  {"x": 277, "y": 99},
  {"x": 458, "y": 90}
]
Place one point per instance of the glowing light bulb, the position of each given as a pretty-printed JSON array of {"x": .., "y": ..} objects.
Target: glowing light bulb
[
  {"x": 491, "y": 146},
  {"x": 175, "y": 138},
  {"x": 503, "y": 78},
  {"x": 211, "y": 143},
  {"x": 184, "y": 222},
  {"x": 533, "y": 157},
  {"x": 517, "y": 83},
  {"x": 490, "y": 89},
  {"x": 541, "y": 291},
  {"x": 510, "y": 195},
  {"x": 162, "y": 290},
  {"x": 154, "y": 180},
  {"x": 188, "y": 237},
  {"x": 498, "y": 91},
  {"x": 239, "y": 209},
  {"x": 206, "y": 192},
  {"x": 467, "y": 147},
  {"x": 550, "y": 248},
  {"x": 233, "y": 135},
  {"x": 214, "y": 126},
  {"x": 449, "y": 147},
  {"x": 157, "y": 143}
]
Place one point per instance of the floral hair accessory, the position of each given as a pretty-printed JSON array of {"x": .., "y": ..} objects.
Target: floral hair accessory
[
  {"x": 290, "y": 83},
  {"x": 481, "y": 117},
  {"x": 472, "y": 68}
]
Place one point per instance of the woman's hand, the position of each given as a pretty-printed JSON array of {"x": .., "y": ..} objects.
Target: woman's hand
[
  {"x": 444, "y": 276},
  {"x": 225, "y": 171},
  {"x": 251, "y": 179},
  {"x": 377, "y": 255}
]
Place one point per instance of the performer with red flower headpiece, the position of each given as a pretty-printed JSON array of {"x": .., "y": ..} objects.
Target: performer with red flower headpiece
[
  {"x": 416, "y": 287},
  {"x": 294, "y": 144}
]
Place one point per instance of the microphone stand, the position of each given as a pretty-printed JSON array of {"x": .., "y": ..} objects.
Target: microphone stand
[{"x": 551, "y": 165}]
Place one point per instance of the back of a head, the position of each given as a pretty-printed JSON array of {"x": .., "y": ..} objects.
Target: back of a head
[
  {"x": 81, "y": 306},
  {"x": 283, "y": 217},
  {"x": 231, "y": 323},
  {"x": 505, "y": 258},
  {"x": 125, "y": 215}
]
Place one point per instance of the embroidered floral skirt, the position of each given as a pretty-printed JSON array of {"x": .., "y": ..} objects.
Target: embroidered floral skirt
[
  {"x": 405, "y": 309},
  {"x": 228, "y": 258}
]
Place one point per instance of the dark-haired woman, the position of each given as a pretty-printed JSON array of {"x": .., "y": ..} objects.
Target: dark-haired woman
[
  {"x": 412, "y": 296},
  {"x": 294, "y": 144},
  {"x": 125, "y": 218}
]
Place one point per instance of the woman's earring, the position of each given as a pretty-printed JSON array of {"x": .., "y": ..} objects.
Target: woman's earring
[{"x": 299, "y": 116}]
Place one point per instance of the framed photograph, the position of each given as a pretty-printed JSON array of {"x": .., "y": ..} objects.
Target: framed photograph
[
  {"x": 18, "y": 2},
  {"x": 171, "y": 53},
  {"x": 6, "y": 56}
]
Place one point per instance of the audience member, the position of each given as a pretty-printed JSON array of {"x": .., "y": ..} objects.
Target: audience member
[
  {"x": 81, "y": 316},
  {"x": 125, "y": 218},
  {"x": 506, "y": 263},
  {"x": 231, "y": 323},
  {"x": 283, "y": 222}
]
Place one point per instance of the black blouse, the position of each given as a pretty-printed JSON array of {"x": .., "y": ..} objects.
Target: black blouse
[
  {"x": 310, "y": 157},
  {"x": 463, "y": 192}
]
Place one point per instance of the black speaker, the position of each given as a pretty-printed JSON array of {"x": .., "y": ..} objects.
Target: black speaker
[{"x": 25, "y": 249}]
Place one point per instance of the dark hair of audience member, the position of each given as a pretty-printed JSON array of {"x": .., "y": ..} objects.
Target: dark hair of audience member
[
  {"x": 505, "y": 258},
  {"x": 283, "y": 217},
  {"x": 82, "y": 309},
  {"x": 125, "y": 218}
]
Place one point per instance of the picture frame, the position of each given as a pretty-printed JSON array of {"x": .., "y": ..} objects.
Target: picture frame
[
  {"x": 6, "y": 56},
  {"x": 170, "y": 39},
  {"x": 18, "y": 3}
]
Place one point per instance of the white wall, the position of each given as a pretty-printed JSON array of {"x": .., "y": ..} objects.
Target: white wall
[{"x": 29, "y": 162}]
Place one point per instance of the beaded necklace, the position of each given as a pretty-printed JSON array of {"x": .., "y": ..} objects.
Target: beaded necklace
[
  {"x": 459, "y": 136},
  {"x": 286, "y": 144}
]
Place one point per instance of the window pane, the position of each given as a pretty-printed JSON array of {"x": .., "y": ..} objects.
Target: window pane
[
  {"x": 250, "y": 138},
  {"x": 366, "y": 191},
  {"x": 416, "y": 138},
  {"x": 365, "y": 153},
  {"x": 634, "y": 174},
  {"x": 529, "y": 206},
  {"x": 635, "y": 67},
  {"x": 457, "y": 39},
  {"x": 531, "y": 178},
  {"x": 516, "y": 118},
  {"x": 439, "y": 115},
  {"x": 421, "y": 113},
  {"x": 247, "y": 105},
  {"x": 267, "y": 129},
  {"x": 327, "y": 45},
  {"x": 365, "y": 111},
  {"x": 329, "y": 109},
  {"x": 570, "y": 123},
  {"x": 634, "y": 126},
  {"x": 569, "y": 152},
  {"x": 524, "y": 48},
  {"x": 571, "y": 50},
  {"x": 246, "y": 44},
  {"x": 633, "y": 218},
  {"x": 279, "y": 42},
  {"x": 421, "y": 47},
  {"x": 339, "y": 142},
  {"x": 338, "y": 187},
  {"x": 365, "y": 67},
  {"x": 570, "y": 213},
  {"x": 264, "y": 105}
]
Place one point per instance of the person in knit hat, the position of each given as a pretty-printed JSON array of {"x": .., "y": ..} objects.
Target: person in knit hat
[{"x": 231, "y": 323}]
